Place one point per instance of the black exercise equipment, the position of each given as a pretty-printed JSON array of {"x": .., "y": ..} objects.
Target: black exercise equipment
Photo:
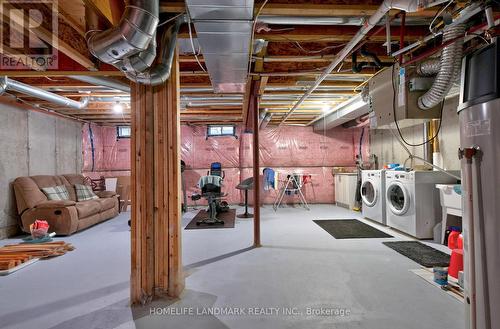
[{"x": 211, "y": 190}]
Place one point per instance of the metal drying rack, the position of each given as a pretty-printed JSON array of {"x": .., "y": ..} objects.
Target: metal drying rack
[{"x": 292, "y": 186}]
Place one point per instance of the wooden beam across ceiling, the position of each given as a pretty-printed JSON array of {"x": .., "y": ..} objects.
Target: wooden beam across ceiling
[
  {"x": 19, "y": 57},
  {"x": 27, "y": 74},
  {"x": 66, "y": 40},
  {"x": 110, "y": 10},
  {"x": 293, "y": 59},
  {"x": 334, "y": 34},
  {"x": 305, "y": 9},
  {"x": 303, "y": 34}
]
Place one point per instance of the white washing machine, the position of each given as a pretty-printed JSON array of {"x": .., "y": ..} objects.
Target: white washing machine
[
  {"x": 373, "y": 195},
  {"x": 413, "y": 205}
]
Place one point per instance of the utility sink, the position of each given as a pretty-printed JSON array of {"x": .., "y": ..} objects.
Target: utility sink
[{"x": 451, "y": 198}]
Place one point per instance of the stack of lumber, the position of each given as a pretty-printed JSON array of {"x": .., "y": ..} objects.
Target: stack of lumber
[{"x": 16, "y": 254}]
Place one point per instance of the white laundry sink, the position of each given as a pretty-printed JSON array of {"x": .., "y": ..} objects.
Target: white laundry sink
[{"x": 450, "y": 199}]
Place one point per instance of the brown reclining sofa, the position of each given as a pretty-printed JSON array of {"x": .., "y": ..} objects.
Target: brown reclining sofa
[{"x": 65, "y": 216}]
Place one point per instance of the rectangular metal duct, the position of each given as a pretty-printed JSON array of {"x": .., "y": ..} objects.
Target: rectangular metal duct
[
  {"x": 347, "y": 111},
  {"x": 224, "y": 30}
]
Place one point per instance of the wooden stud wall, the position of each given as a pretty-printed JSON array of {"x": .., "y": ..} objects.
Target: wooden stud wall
[{"x": 156, "y": 208}]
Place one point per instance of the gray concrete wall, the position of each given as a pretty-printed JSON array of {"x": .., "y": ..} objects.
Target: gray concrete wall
[
  {"x": 33, "y": 143},
  {"x": 388, "y": 149}
]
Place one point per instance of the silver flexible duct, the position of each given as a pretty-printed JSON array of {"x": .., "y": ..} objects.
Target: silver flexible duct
[
  {"x": 450, "y": 65},
  {"x": 429, "y": 68},
  {"x": 7, "y": 84},
  {"x": 131, "y": 36},
  {"x": 161, "y": 72},
  {"x": 139, "y": 62}
]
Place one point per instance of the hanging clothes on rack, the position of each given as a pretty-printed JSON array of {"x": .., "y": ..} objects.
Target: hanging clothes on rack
[
  {"x": 292, "y": 186},
  {"x": 269, "y": 179}
]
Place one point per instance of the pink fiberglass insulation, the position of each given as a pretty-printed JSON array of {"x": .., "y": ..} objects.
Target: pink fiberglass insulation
[
  {"x": 301, "y": 147},
  {"x": 199, "y": 152},
  {"x": 285, "y": 149},
  {"x": 110, "y": 153}
]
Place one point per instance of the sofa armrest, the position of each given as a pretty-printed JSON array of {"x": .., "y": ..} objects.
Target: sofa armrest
[
  {"x": 62, "y": 220},
  {"x": 105, "y": 194},
  {"x": 55, "y": 204}
]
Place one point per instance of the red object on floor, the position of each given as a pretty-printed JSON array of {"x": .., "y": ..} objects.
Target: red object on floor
[
  {"x": 453, "y": 240},
  {"x": 456, "y": 262}
]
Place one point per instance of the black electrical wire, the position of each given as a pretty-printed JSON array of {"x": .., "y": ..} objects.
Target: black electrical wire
[
  {"x": 396, "y": 121},
  {"x": 361, "y": 145},
  {"x": 92, "y": 147}
]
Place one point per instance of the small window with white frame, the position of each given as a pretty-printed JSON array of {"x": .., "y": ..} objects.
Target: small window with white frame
[
  {"x": 221, "y": 130},
  {"x": 123, "y": 131}
]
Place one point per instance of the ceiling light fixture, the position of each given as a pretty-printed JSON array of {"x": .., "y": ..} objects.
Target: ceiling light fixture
[{"x": 118, "y": 107}]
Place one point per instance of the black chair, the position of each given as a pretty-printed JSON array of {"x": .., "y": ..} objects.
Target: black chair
[{"x": 246, "y": 185}]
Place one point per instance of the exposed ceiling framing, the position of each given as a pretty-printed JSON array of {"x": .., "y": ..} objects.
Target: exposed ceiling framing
[{"x": 294, "y": 55}]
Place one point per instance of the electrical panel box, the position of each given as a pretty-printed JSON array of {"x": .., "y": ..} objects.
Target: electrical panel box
[{"x": 396, "y": 91}]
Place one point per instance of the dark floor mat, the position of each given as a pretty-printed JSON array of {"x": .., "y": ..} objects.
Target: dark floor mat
[
  {"x": 350, "y": 229},
  {"x": 227, "y": 217},
  {"x": 420, "y": 253}
]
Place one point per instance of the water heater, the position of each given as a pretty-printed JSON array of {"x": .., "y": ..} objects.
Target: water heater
[{"x": 479, "y": 113}]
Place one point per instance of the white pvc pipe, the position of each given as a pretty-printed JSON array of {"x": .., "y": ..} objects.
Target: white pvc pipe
[{"x": 13, "y": 85}]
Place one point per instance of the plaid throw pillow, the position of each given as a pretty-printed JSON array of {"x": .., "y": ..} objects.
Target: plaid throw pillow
[
  {"x": 84, "y": 193},
  {"x": 56, "y": 192}
]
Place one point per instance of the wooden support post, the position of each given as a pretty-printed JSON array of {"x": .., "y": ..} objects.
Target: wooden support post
[
  {"x": 254, "y": 101},
  {"x": 156, "y": 208}
]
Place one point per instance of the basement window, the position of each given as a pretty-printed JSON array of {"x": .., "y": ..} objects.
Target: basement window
[
  {"x": 221, "y": 130},
  {"x": 123, "y": 131}
]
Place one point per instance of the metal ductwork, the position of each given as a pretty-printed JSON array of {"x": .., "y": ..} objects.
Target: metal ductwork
[
  {"x": 7, "y": 84},
  {"x": 224, "y": 31},
  {"x": 141, "y": 61},
  {"x": 127, "y": 46},
  {"x": 161, "y": 72},
  {"x": 450, "y": 65},
  {"x": 100, "y": 81},
  {"x": 385, "y": 7},
  {"x": 345, "y": 112},
  {"x": 429, "y": 67},
  {"x": 266, "y": 120},
  {"x": 262, "y": 114}
]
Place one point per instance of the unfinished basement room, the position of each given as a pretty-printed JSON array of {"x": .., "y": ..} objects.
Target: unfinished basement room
[{"x": 242, "y": 164}]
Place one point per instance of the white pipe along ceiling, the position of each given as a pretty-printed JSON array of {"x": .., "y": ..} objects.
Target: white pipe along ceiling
[{"x": 7, "y": 84}]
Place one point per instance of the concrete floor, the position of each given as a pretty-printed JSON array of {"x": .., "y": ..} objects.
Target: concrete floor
[{"x": 299, "y": 267}]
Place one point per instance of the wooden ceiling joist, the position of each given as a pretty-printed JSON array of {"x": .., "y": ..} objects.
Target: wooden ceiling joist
[
  {"x": 305, "y": 9},
  {"x": 290, "y": 63},
  {"x": 27, "y": 74},
  {"x": 66, "y": 40},
  {"x": 110, "y": 10}
]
